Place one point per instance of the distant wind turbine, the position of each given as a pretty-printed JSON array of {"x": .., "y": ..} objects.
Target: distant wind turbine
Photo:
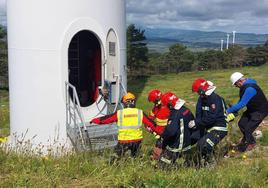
[
  {"x": 234, "y": 37},
  {"x": 227, "y": 41},
  {"x": 221, "y": 44}
]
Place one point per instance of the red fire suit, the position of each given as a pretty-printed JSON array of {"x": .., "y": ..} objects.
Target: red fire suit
[{"x": 161, "y": 118}]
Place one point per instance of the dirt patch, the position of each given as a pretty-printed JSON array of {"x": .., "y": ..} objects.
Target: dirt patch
[{"x": 264, "y": 123}]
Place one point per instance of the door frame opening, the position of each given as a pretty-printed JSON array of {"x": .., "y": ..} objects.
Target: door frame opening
[{"x": 85, "y": 66}]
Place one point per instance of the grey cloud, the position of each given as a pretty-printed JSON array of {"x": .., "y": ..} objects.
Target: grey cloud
[
  {"x": 196, "y": 14},
  {"x": 3, "y": 12},
  {"x": 2, "y": 6},
  {"x": 224, "y": 15}
]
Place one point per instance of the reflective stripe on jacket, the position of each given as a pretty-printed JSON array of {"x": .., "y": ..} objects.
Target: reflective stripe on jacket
[
  {"x": 129, "y": 124},
  {"x": 162, "y": 116},
  {"x": 161, "y": 122}
]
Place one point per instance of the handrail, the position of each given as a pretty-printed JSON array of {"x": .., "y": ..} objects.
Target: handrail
[
  {"x": 73, "y": 109},
  {"x": 76, "y": 108}
]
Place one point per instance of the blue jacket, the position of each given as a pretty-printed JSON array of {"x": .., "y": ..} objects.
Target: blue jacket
[
  {"x": 249, "y": 93},
  {"x": 210, "y": 112}
]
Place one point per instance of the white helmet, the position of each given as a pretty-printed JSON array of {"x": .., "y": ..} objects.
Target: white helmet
[
  {"x": 235, "y": 77},
  {"x": 211, "y": 88}
]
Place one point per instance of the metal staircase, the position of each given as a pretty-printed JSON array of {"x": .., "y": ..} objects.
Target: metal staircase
[
  {"x": 85, "y": 136},
  {"x": 75, "y": 123}
]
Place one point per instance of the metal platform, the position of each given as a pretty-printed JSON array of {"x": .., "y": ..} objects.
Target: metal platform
[
  {"x": 85, "y": 136},
  {"x": 95, "y": 137}
]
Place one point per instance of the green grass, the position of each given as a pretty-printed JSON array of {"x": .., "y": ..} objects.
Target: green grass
[
  {"x": 95, "y": 169},
  {"x": 264, "y": 138},
  {"x": 181, "y": 84},
  {"x": 4, "y": 113},
  {"x": 84, "y": 169}
]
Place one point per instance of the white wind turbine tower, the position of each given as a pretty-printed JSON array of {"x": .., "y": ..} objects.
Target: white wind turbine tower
[
  {"x": 62, "y": 51},
  {"x": 227, "y": 41},
  {"x": 221, "y": 44},
  {"x": 234, "y": 37}
]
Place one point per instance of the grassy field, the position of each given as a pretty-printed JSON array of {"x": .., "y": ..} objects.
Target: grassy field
[
  {"x": 96, "y": 170},
  {"x": 4, "y": 113}
]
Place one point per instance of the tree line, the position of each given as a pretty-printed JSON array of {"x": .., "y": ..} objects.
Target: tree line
[
  {"x": 3, "y": 58},
  {"x": 180, "y": 59}
]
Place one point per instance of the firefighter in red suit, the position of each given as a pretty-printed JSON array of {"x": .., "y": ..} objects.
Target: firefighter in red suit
[
  {"x": 129, "y": 121},
  {"x": 159, "y": 113},
  {"x": 154, "y": 97}
]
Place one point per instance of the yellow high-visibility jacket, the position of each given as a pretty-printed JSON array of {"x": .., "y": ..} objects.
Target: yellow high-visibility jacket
[{"x": 129, "y": 124}]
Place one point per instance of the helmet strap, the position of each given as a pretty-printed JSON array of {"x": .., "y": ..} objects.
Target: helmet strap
[
  {"x": 169, "y": 105},
  {"x": 130, "y": 104},
  {"x": 201, "y": 91},
  {"x": 157, "y": 102}
]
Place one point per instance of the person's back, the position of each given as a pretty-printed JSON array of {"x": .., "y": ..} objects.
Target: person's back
[
  {"x": 129, "y": 121},
  {"x": 161, "y": 119},
  {"x": 251, "y": 96},
  {"x": 210, "y": 111},
  {"x": 176, "y": 138},
  {"x": 177, "y": 133},
  {"x": 129, "y": 124},
  {"x": 258, "y": 103}
]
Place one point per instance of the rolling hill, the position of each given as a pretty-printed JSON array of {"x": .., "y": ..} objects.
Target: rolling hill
[{"x": 160, "y": 39}]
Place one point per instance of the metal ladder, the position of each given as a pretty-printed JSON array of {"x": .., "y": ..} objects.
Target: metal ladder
[{"x": 73, "y": 55}]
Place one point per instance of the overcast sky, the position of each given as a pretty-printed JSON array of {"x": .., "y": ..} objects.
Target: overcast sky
[
  {"x": 206, "y": 15},
  {"x": 209, "y": 15},
  {"x": 2, "y": 12}
]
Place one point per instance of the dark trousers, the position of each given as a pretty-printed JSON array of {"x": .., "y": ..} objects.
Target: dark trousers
[
  {"x": 208, "y": 141},
  {"x": 122, "y": 148},
  {"x": 248, "y": 123},
  {"x": 168, "y": 158}
]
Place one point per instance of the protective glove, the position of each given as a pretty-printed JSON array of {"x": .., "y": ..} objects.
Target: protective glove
[
  {"x": 191, "y": 124},
  {"x": 3, "y": 140},
  {"x": 230, "y": 117},
  {"x": 156, "y": 136},
  {"x": 95, "y": 120}
]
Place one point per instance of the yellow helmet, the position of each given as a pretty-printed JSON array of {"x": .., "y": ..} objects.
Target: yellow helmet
[{"x": 128, "y": 97}]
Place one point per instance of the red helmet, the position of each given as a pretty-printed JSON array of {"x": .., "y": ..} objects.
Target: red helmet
[
  {"x": 200, "y": 86},
  {"x": 168, "y": 99},
  {"x": 154, "y": 95}
]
